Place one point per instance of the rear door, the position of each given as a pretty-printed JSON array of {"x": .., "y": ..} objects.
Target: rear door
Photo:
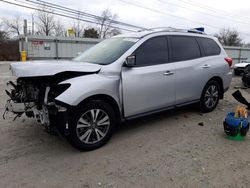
[
  {"x": 150, "y": 85},
  {"x": 190, "y": 74}
]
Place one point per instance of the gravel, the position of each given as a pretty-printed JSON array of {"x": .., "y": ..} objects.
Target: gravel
[{"x": 168, "y": 149}]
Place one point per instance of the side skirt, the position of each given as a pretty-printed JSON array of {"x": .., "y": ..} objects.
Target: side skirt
[{"x": 160, "y": 110}]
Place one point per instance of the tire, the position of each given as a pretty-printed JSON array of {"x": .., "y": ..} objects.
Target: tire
[
  {"x": 91, "y": 125},
  {"x": 211, "y": 91},
  {"x": 243, "y": 131},
  {"x": 51, "y": 129},
  {"x": 237, "y": 73},
  {"x": 57, "y": 125}
]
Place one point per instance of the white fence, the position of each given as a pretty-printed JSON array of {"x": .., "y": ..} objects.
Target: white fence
[
  {"x": 46, "y": 47},
  {"x": 237, "y": 53}
]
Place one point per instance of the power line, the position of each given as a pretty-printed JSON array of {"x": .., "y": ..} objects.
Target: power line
[
  {"x": 195, "y": 10},
  {"x": 80, "y": 13},
  {"x": 57, "y": 11},
  {"x": 59, "y": 7},
  {"x": 216, "y": 11},
  {"x": 172, "y": 15},
  {"x": 63, "y": 15},
  {"x": 94, "y": 18},
  {"x": 212, "y": 9},
  {"x": 165, "y": 13}
]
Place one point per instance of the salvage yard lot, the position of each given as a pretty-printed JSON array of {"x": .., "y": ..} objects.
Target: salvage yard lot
[{"x": 168, "y": 149}]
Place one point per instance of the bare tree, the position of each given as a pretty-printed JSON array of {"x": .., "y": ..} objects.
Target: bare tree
[
  {"x": 59, "y": 29},
  {"x": 229, "y": 37},
  {"x": 46, "y": 20},
  {"x": 247, "y": 45},
  {"x": 78, "y": 26},
  {"x": 13, "y": 25},
  {"x": 105, "y": 22},
  {"x": 112, "y": 32}
]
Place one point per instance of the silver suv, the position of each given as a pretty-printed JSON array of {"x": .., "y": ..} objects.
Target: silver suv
[{"x": 121, "y": 78}]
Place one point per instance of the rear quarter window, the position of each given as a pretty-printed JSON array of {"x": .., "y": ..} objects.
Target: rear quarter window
[
  {"x": 184, "y": 48},
  {"x": 209, "y": 46}
]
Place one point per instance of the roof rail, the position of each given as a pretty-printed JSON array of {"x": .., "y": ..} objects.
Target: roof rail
[{"x": 199, "y": 30}]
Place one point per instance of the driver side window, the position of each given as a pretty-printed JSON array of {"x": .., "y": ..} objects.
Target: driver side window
[{"x": 152, "y": 52}]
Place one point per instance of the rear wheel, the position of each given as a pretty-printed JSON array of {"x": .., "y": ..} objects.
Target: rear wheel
[
  {"x": 210, "y": 96},
  {"x": 92, "y": 125}
]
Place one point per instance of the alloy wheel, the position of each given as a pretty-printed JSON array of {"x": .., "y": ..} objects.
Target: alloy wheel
[
  {"x": 211, "y": 96},
  {"x": 93, "y": 126}
]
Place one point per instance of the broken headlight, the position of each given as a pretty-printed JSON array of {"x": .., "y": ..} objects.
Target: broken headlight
[{"x": 56, "y": 90}]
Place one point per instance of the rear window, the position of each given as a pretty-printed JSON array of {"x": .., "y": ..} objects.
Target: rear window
[
  {"x": 184, "y": 48},
  {"x": 209, "y": 46}
]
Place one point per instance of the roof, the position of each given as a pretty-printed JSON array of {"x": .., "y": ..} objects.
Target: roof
[{"x": 168, "y": 30}]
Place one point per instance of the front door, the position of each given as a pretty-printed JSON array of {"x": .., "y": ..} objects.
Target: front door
[{"x": 150, "y": 85}]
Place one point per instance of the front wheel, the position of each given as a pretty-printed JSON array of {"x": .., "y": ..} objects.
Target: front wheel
[
  {"x": 92, "y": 125},
  {"x": 210, "y": 96}
]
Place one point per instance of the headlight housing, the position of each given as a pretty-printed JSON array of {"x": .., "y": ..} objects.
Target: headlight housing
[{"x": 56, "y": 90}]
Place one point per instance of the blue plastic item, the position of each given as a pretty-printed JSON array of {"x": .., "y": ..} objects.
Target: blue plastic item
[
  {"x": 235, "y": 126},
  {"x": 235, "y": 122}
]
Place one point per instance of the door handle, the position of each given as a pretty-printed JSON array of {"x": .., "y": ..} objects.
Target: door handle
[
  {"x": 168, "y": 73},
  {"x": 206, "y": 66}
]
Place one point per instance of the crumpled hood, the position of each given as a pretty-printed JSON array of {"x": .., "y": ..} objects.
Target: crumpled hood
[{"x": 50, "y": 67}]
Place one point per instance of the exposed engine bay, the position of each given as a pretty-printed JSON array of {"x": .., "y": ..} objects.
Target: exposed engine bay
[{"x": 35, "y": 97}]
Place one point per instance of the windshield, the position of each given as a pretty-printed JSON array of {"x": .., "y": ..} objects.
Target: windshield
[{"x": 106, "y": 51}]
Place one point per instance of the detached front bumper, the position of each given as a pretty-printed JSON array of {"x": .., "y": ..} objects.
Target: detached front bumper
[
  {"x": 42, "y": 113},
  {"x": 18, "y": 108},
  {"x": 30, "y": 109}
]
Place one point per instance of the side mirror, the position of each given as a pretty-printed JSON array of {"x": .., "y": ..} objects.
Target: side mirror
[{"x": 130, "y": 61}]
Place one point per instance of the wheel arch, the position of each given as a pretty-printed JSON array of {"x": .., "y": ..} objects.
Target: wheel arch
[
  {"x": 220, "y": 82},
  {"x": 106, "y": 98}
]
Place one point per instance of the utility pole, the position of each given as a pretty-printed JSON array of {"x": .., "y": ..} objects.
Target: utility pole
[
  {"x": 25, "y": 28},
  {"x": 33, "y": 24},
  {"x": 25, "y": 42}
]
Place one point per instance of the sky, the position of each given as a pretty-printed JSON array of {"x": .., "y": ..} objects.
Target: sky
[{"x": 213, "y": 15}]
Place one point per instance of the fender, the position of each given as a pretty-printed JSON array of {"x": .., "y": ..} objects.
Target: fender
[{"x": 86, "y": 86}]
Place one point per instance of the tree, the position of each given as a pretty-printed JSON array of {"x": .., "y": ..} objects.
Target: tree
[
  {"x": 13, "y": 25},
  {"x": 229, "y": 37},
  {"x": 3, "y": 36},
  {"x": 113, "y": 32},
  {"x": 91, "y": 33},
  {"x": 46, "y": 20},
  {"x": 78, "y": 26},
  {"x": 246, "y": 45},
  {"x": 106, "y": 20},
  {"x": 59, "y": 29}
]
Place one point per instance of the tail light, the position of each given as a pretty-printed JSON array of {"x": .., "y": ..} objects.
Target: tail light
[{"x": 229, "y": 61}]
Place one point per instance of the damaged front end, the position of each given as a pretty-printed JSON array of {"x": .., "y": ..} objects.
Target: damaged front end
[
  {"x": 38, "y": 85},
  {"x": 35, "y": 97}
]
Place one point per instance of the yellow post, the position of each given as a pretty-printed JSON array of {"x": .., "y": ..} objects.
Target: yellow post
[{"x": 23, "y": 56}]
